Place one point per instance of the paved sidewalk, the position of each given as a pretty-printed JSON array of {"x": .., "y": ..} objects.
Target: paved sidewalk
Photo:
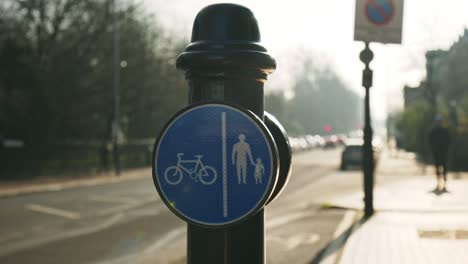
[
  {"x": 415, "y": 194},
  {"x": 412, "y": 224},
  {"x": 413, "y": 238}
]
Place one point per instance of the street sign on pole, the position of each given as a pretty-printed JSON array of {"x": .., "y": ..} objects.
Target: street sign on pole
[
  {"x": 215, "y": 164},
  {"x": 379, "y": 21},
  {"x": 226, "y": 63}
]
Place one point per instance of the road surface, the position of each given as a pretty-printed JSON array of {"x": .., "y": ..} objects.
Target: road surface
[{"x": 126, "y": 222}]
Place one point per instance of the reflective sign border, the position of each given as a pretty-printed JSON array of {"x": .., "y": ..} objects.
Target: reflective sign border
[{"x": 272, "y": 146}]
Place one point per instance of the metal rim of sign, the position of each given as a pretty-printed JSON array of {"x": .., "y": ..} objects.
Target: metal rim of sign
[
  {"x": 274, "y": 156},
  {"x": 386, "y": 17}
]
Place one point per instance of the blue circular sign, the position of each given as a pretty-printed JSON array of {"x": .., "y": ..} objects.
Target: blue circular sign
[
  {"x": 215, "y": 164},
  {"x": 380, "y": 12}
]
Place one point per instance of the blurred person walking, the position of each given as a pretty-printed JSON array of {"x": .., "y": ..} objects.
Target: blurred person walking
[{"x": 439, "y": 139}]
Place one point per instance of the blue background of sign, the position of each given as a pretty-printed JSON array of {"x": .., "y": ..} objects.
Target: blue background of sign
[
  {"x": 198, "y": 132},
  {"x": 380, "y": 11}
]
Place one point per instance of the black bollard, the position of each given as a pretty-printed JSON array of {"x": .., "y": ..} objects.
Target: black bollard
[{"x": 225, "y": 62}]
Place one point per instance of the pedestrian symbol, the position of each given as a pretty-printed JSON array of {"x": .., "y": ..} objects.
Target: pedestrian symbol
[
  {"x": 215, "y": 164},
  {"x": 259, "y": 171},
  {"x": 240, "y": 152}
]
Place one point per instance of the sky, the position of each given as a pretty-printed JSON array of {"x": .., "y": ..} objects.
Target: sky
[{"x": 323, "y": 30}]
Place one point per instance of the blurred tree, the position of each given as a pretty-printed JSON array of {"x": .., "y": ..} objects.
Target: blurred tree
[
  {"x": 321, "y": 98},
  {"x": 56, "y": 71},
  {"x": 455, "y": 75},
  {"x": 275, "y": 104},
  {"x": 413, "y": 126}
]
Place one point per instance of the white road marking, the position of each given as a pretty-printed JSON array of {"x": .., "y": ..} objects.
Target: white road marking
[
  {"x": 113, "y": 199},
  {"x": 52, "y": 211},
  {"x": 345, "y": 223},
  {"x": 285, "y": 219},
  {"x": 292, "y": 242},
  {"x": 146, "y": 211},
  {"x": 10, "y": 236},
  {"x": 168, "y": 239},
  {"x": 125, "y": 207},
  {"x": 35, "y": 241},
  {"x": 301, "y": 239}
]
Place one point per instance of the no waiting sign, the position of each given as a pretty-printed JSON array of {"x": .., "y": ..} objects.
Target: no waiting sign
[{"x": 379, "y": 21}]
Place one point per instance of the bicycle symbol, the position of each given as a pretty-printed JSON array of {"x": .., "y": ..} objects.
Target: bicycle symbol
[{"x": 174, "y": 174}]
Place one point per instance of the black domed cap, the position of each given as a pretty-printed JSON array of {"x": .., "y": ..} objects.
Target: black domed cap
[
  {"x": 225, "y": 23},
  {"x": 225, "y": 35}
]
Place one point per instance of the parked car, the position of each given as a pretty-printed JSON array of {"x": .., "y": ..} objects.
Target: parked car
[
  {"x": 298, "y": 144},
  {"x": 353, "y": 154},
  {"x": 342, "y": 139},
  {"x": 330, "y": 142}
]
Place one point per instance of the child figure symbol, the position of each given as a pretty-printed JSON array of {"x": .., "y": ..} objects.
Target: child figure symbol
[{"x": 259, "y": 171}]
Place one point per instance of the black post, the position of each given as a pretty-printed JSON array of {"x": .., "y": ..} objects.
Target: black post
[
  {"x": 366, "y": 56},
  {"x": 224, "y": 62},
  {"x": 368, "y": 161}
]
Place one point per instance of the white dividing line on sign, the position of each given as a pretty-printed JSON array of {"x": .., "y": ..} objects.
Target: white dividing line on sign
[
  {"x": 223, "y": 136},
  {"x": 52, "y": 211}
]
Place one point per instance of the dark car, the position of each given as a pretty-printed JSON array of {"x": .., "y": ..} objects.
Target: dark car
[
  {"x": 353, "y": 153},
  {"x": 330, "y": 142},
  {"x": 351, "y": 156}
]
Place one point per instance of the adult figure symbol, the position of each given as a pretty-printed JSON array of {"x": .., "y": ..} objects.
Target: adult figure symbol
[{"x": 240, "y": 151}]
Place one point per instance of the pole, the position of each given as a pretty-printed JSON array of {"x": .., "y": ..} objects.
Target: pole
[
  {"x": 368, "y": 160},
  {"x": 116, "y": 89},
  {"x": 366, "y": 56},
  {"x": 226, "y": 63}
]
